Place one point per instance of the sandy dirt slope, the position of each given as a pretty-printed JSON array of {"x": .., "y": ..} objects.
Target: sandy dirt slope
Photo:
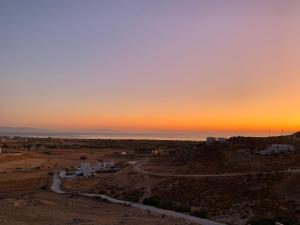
[
  {"x": 44, "y": 208},
  {"x": 23, "y": 164}
]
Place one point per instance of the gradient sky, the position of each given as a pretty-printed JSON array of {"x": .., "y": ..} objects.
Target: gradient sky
[{"x": 150, "y": 65}]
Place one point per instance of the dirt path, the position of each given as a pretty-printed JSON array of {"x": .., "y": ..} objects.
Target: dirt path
[
  {"x": 57, "y": 188},
  {"x": 138, "y": 169}
]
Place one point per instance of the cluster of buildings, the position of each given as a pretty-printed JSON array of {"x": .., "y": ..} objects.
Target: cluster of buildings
[
  {"x": 88, "y": 170},
  {"x": 276, "y": 149}
]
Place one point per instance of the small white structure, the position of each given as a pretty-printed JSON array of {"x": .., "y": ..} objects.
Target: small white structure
[
  {"x": 156, "y": 152},
  {"x": 62, "y": 173},
  {"x": 87, "y": 170},
  {"x": 211, "y": 140},
  {"x": 132, "y": 162},
  {"x": 124, "y": 153},
  {"x": 275, "y": 149},
  {"x": 104, "y": 166}
]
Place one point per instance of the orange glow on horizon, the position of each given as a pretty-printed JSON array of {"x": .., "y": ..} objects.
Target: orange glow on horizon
[
  {"x": 200, "y": 65},
  {"x": 169, "y": 123}
]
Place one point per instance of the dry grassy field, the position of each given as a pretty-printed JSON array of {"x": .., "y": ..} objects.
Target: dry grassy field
[
  {"x": 46, "y": 208},
  {"x": 158, "y": 178}
]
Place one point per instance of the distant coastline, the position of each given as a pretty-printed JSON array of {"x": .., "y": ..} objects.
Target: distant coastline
[{"x": 192, "y": 136}]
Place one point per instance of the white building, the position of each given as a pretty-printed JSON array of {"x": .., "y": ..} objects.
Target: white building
[
  {"x": 87, "y": 170},
  {"x": 104, "y": 166},
  {"x": 277, "y": 149},
  {"x": 132, "y": 162},
  {"x": 62, "y": 173},
  {"x": 210, "y": 140},
  {"x": 155, "y": 152}
]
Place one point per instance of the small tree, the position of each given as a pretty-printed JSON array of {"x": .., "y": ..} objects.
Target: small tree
[{"x": 83, "y": 157}]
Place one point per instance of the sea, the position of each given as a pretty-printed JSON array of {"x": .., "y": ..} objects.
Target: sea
[{"x": 153, "y": 135}]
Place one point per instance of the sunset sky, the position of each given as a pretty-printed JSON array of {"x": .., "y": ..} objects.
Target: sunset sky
[{"x": 150, "y": 65}]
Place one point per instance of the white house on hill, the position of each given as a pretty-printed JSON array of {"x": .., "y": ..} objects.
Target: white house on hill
[
  {"x": 87, "y": 170},
  {"x": 278, "y": 149},
  {"x": 104, "y": 166}
]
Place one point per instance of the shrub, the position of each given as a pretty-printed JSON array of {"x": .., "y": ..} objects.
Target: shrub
[
  {"x": 134, "y": 196},
  {"x": 202, "y": 213},
  {"x": 153, "y": 201},
  {"x": 181, "y": 208},
  {"x": 44, "y": 187},
  {"x": 169, "y": 205}
]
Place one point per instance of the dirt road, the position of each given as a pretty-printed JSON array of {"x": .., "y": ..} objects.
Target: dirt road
[
  {"x": 56, "y": 187},
  {"x": 138, "y": 169}
]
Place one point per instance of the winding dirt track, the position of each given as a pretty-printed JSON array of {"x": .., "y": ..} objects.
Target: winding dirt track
[
  {"x": 138, "y": 169},
  {"x": 57, "y": 188}
]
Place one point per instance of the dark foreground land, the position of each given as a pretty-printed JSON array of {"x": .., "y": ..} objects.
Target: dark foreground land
[{"x": 226, "y": 182}]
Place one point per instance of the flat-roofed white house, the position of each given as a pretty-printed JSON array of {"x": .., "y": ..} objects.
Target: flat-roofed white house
[
  {"x": 104, "y": 166},
  {"x": 278, "y": 149},
  {"x": 87, "y": 170}
]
